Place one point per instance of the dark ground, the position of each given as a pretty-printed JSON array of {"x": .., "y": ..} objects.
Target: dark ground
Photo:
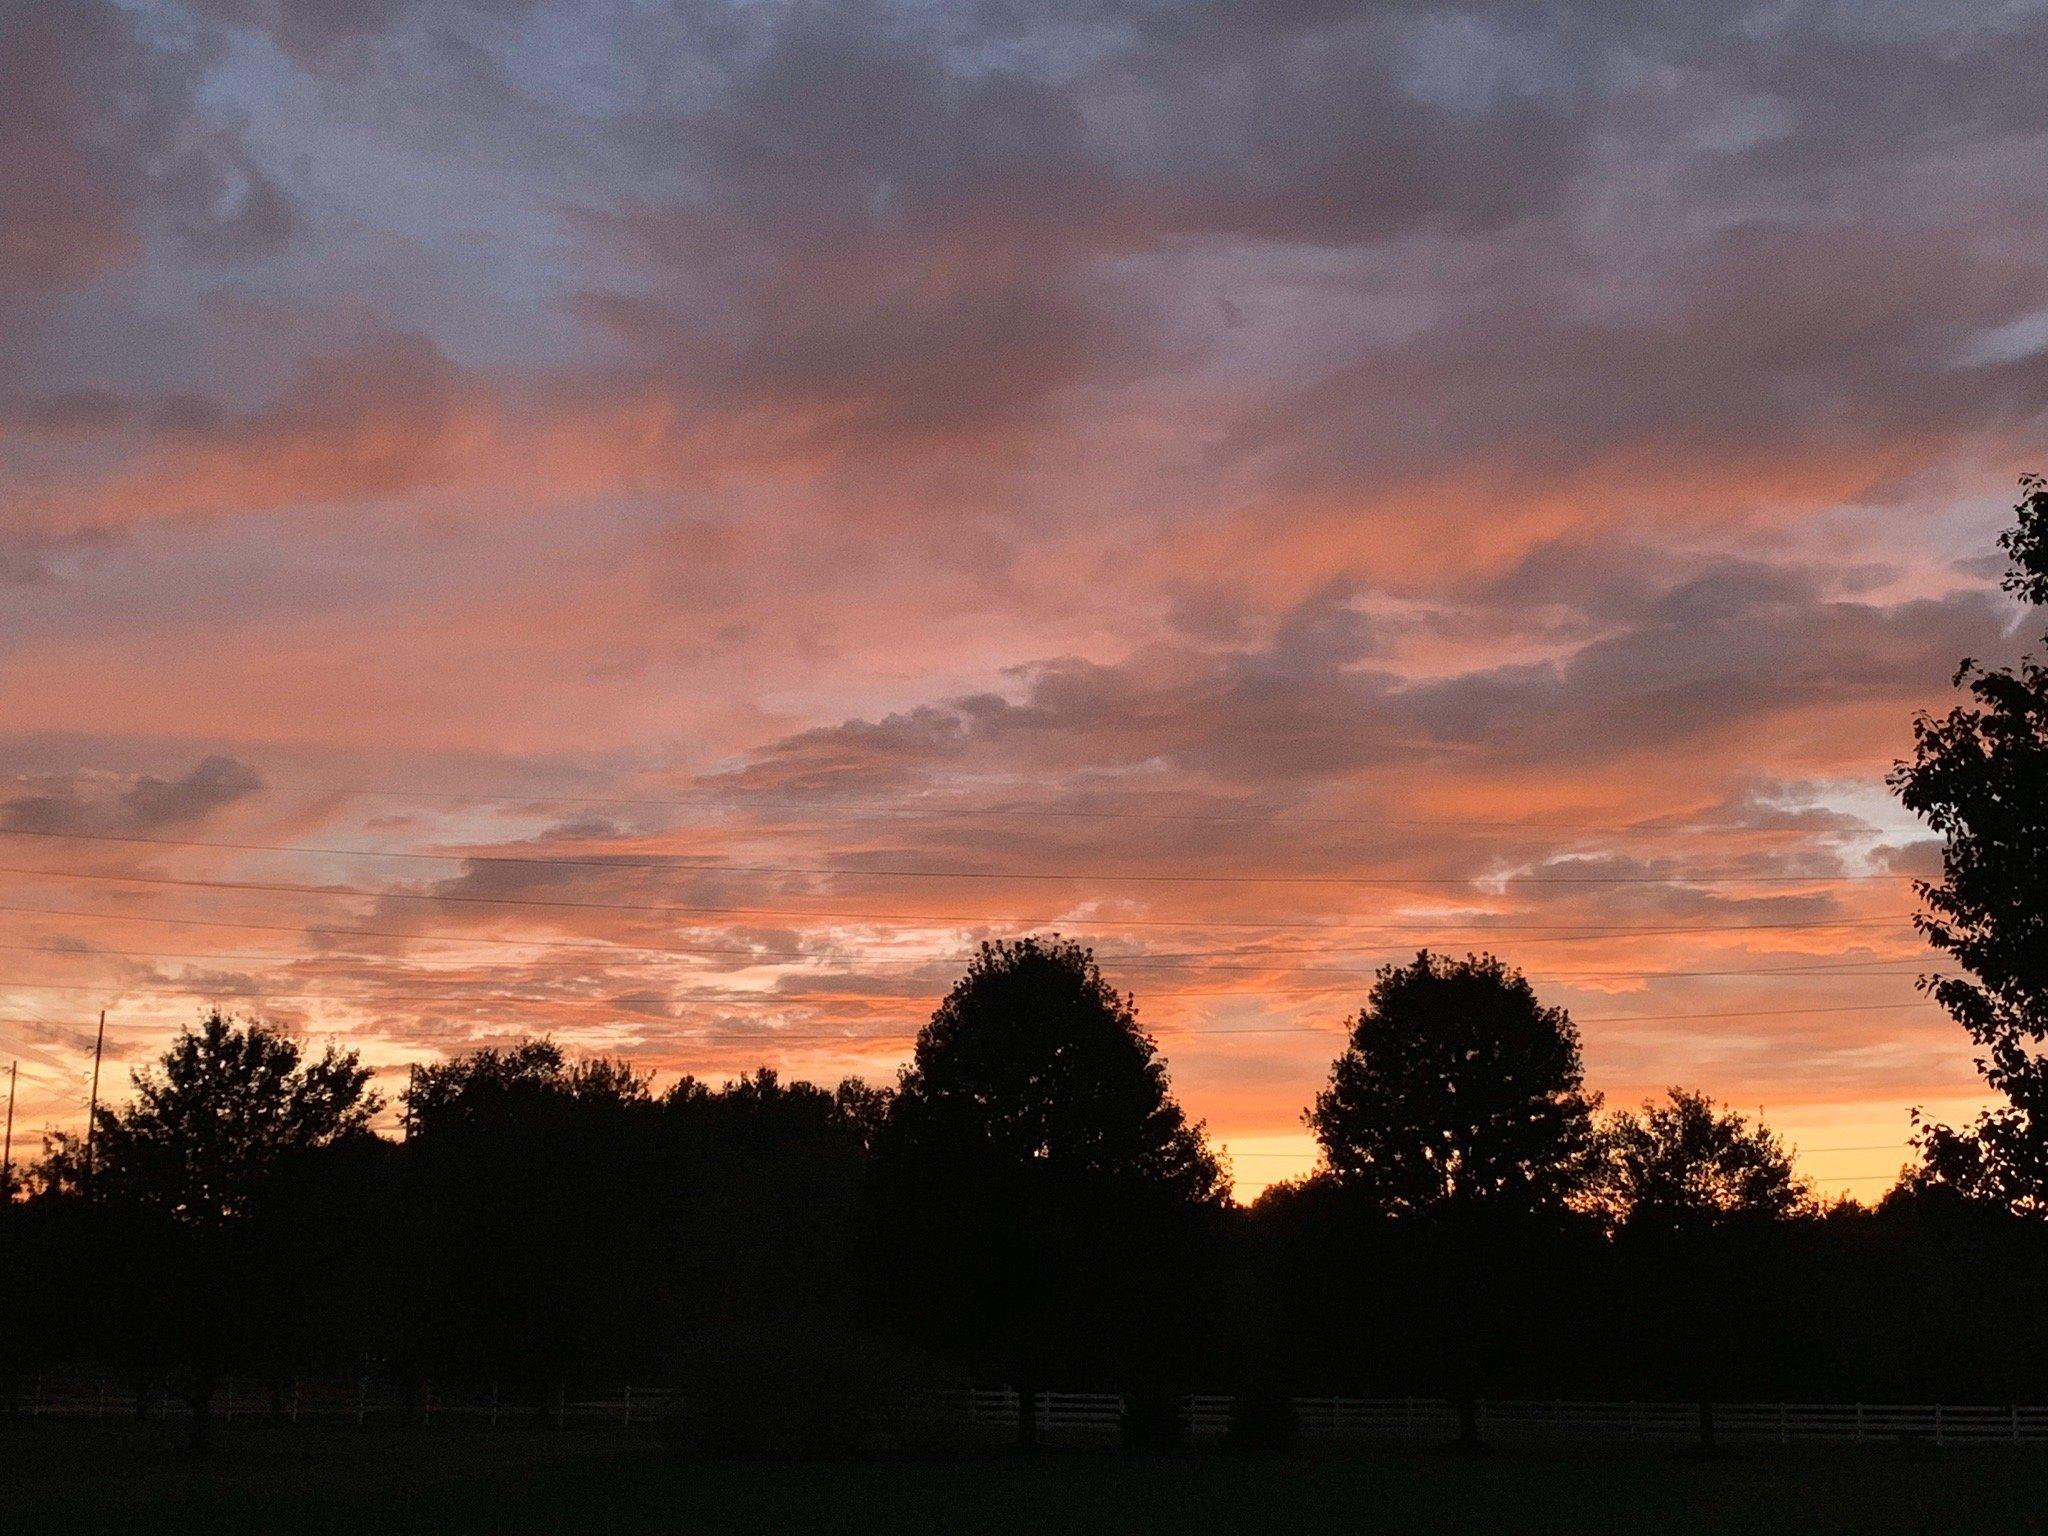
[{"x": 92, "y": 1477}]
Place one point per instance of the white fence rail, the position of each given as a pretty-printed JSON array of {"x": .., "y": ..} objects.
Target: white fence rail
[
  {"x": 362, "y": 1401},
  {"x": 1096, "y": 1418}
]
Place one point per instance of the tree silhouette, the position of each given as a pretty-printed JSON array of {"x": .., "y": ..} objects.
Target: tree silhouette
[
  {"x": 565, "y": 1222},
  {"x": 1037, "y": 1189},
  {"x": 1458, "y": 1088},
  {"x": 207, "y": 1182},
  {"x": 215, "y": 1122},
  {"x": 1979, "y": 775},
  {"x": 1692, "y": 1190},
  {"x": 759, "y": 1183},
  {"x": 498, "y": 1083},
  {"x": 527, "y": 1178},
  {"x": 1458, "y": 1111},
  {"x": 1033, "y": 1064},
  {"x": 1685, "y": 1163}
]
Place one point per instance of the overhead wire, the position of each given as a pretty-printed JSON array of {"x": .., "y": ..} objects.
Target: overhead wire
[
  {"x": 669, "y": 864},
  {"x": 926, "y": 920},
  {"x": 1198, "y": 965},
  {"x": 719, "y": 799}
]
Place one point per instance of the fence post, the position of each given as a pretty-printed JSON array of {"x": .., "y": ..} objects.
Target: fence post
[
  {"x": 295, "y": 1399},
  {"x": 627, "y": 1417},
  {"x": 561, "y": 1407},
  {"x": 1937, "y": 1423},
  {"x": 362, "y": 1398},
  {"x": 1784, "y": 1425},
  {"x": 494, "y": 1405},
  {"x": 1859, "y": 1423},
  {"x": 2015, "y": 1423}
]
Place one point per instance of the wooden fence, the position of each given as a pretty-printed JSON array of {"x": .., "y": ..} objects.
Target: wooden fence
[{"x": 1096, "y": 1418}]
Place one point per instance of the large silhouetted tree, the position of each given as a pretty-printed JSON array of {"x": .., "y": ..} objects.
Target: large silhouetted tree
[
  {"x": 1035, "y": 1184},
  {"x": 214, "y": 1124},
  {"x": 1979, "y": 775},
  {"x": 209, "y": 1178},
  {"x": 1033, "y": 1064},
  {"x": 1458, "y": 1110},
  {"x": 1458, "y": 1088}
]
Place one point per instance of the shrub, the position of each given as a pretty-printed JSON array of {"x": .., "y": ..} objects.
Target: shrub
[
  {"x": 1154, "y": 1420},
  {"x": 798, "y": 1398},
  {"x": 1262, "y": 1422}
]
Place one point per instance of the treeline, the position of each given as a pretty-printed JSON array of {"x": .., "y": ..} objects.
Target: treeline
[{"x": 1026, "y": 1205}]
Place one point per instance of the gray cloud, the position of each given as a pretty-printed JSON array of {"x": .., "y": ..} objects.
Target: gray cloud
[
  {"x": 1543, "y": 237},
  {"x": 1727, "y": 650},
  {"x": 101, "y": 135},
  {"x": 145, "y": 804}
]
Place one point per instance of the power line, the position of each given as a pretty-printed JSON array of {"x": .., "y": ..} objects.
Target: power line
[
  {"x": 926, "y": 920},
  {"x": 1139, "y": 961},
  {"x": 1882, "y": 1146},
  {"x": 1543, "y": 929},
  {"x": 668, "y": 864},
  {"x": 720, "y": 801},
  {"x": 609, "y": 947},
  {"x": 866, "y": 999}
]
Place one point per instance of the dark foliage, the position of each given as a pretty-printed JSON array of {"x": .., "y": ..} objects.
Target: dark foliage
[
  {"x": 1038, "y": 1201},
  {"x": 1155, "y": 1419},
  {"x": 1458, "y": 1089},
  {"x": 208, "y": 1206},
  {"x": 1979, "y": 775},
  {"x": 806, "y": 1395},
  {"x": 1263, "y": 1421},
  {"x": 218, "y": 1126},
  {"x": 1685, "y": 1164},
  {"x": 822, "y": 1271},
  {"x": 566, "y": 1223}
]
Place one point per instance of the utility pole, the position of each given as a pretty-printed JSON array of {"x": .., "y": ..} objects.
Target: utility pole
[
  {"x": 7, "y": 1156},
  {"x": 92, "y": 1113}
]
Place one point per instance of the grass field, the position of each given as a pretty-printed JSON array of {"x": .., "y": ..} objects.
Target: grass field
[{"x": 81, "y": 1477}]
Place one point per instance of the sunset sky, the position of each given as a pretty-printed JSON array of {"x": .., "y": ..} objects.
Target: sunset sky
[{"x": 664, "y": 523}]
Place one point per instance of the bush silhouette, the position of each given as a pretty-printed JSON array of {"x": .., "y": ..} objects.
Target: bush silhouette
[
  {"x": 817, "y": 1396},
  {"x": 1263, "y": 1422}
]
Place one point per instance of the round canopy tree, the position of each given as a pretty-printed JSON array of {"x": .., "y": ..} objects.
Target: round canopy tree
[
  {"x": 1034, "y": 1068},
  {"x": 1458, "y": 1090},
  {"x": 1036, "y": 1188},
  {"x": 1458, "y": 1109}
]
